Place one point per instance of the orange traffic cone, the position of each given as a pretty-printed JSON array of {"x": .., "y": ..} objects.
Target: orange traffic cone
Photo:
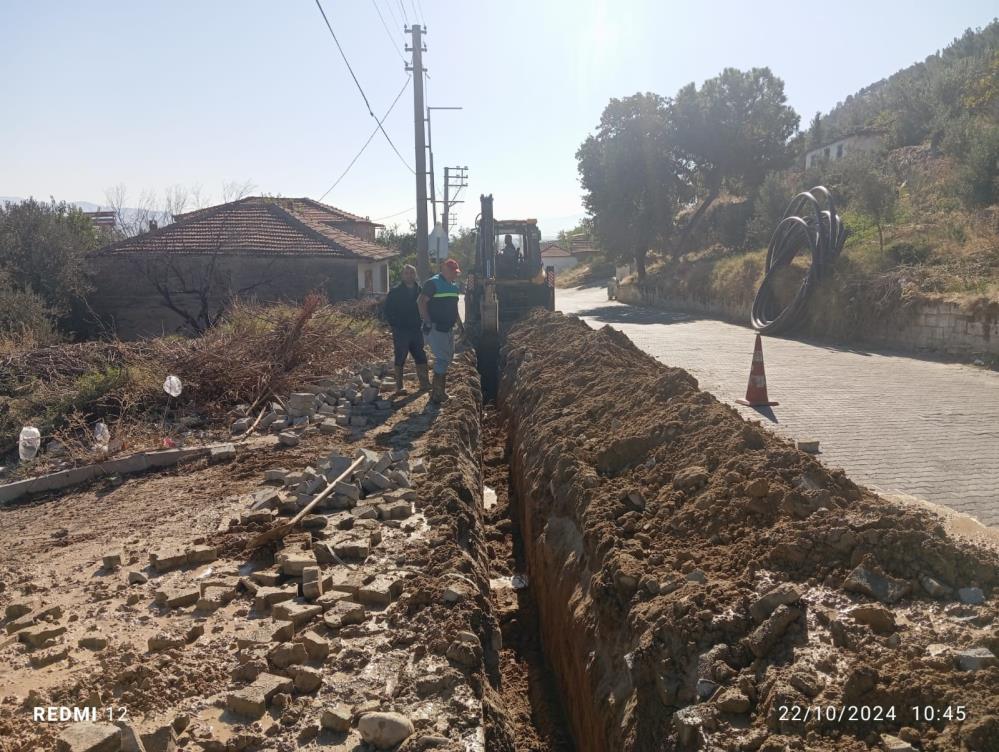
[{"x": 756, "y": 392}]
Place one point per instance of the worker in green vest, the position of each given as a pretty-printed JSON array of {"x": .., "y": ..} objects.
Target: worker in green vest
[{"x": 438, "y": 304}]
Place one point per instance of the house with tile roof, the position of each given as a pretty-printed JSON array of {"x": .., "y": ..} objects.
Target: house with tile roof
[
  {"x": 553, "y": 254},
  {"x": 180, "y": 276}
]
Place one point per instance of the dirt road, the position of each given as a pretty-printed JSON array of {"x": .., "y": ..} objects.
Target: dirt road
[{"x": 895, "y": 423}]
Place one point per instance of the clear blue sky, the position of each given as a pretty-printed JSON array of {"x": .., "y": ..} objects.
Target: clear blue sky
[{"x": 155, "y": 94}]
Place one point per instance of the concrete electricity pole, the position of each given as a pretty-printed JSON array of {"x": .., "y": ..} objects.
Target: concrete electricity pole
[
  {"x": 459, "y": 176},
  {"x": 422, "y": 230}
]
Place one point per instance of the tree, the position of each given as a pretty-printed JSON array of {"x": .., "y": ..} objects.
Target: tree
[
  {"x": 871, "y": 191},
  {"x": 815, "y": 134},
  {"x": 43, "y": 249},
  {"x": 731, "y": 133},
  {"x": 404, "y": 243},
  {"x": 630, "y": 178}
]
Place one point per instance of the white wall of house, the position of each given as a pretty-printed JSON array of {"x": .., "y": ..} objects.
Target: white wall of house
[
  {"x": 561, "y": 263},
  {"x": 373, "y": 277},
  {"x": 839, "y": 149}
]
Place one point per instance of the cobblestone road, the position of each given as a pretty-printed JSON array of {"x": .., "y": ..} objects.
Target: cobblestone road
[{"x": 895, "y": 423}]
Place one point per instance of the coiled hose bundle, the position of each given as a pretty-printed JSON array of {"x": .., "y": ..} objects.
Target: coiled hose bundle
[{"x": 805, "y": 224}]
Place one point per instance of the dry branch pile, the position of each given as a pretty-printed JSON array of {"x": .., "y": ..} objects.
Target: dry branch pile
[{"x": 254, "y": 353}]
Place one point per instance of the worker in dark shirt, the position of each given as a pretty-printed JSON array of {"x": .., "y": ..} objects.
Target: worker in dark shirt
[
  {"x": 403, "y": 316},
  {"x": 508, "y": 260},
  {"x": 438, "y": 304}
]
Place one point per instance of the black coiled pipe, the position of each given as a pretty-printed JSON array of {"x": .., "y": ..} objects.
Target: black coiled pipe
[{"x": 809, "y": 222}]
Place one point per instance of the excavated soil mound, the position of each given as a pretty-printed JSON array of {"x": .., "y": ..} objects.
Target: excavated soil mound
[{"x": 701, "y": 583}]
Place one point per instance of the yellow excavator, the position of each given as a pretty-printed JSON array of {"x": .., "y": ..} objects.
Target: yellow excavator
[{"x": 507, "y": 280}]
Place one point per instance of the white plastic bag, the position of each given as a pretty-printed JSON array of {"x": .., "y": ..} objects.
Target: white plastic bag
[
  {"x": 28, "y": 443},
  {"x": 102, "y": 437},
  {"x": 172, "y": 386}
]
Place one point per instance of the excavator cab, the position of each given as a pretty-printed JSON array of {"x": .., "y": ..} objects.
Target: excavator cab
[{"x": 507, "y": 280}]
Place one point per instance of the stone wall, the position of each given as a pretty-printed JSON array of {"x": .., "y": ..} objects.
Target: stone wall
[
  {"x": 127, "y": 301},
  {"x": 941, "y": 327}
]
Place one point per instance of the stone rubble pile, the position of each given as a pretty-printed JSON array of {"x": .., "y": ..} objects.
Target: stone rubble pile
[{"x": 326, "y": 406}]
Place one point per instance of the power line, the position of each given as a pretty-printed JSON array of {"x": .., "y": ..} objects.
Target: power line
[
  {"x": 373, "y": 134},
  {"x": 395, "y": 21},
  {"x": 416, "y": 16},
  {"x": 395, "y": 44},
  {"x": 405, "y": 15},
  {"x": 360, "y": 89},
  {"x": 389, "y": 216},
  {"x": 423, "y": 16}
]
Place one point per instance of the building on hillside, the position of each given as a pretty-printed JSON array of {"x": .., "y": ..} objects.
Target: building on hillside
[
  {"x": 863, "y": 140},
  {"x": 178, "y": 277},
  {"x": 553, "y": 254}
]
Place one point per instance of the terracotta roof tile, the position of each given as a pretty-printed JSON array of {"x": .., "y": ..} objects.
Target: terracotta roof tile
[{"x": 258, "y": 225}]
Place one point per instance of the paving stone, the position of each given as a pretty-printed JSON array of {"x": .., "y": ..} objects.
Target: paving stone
[
  {"x": 316, "y": 647},
  {"x": 312, "y": 583},
  {"x": 223, "y": 453},
  {"x": 48, "y": 657},
  {"x": 137, "y": 578},
  {"x": 89, "y": 737},
  {"x": 374, "y": 482},
  {"x": 934, "y": 588},
  {"x": 39, "y": 634},
  {"x": 336, "y": 718},
  {"x": 288, "y": 654},
  {"x": 327, "y": 600},
  {"x": 307, "y": 679},
  {"x": 20, "y": 608},
  {"x": 202, "y": 554},
  {"x": 292, "y": 563},
  {"x": 163, "y": 641},
  {"x": 288, "y": 439},
  {"x": 268, "y": 596},
  {"x": 275, "y": 474},
  {"x": 166, "y": 560},
  {"x": 241, "y": 426},
  {"x": 178, "y": 598},
  {"x": 93, "y": 642},
  {"x": 395, "y": 510},
  {"x": 352, "y": 547},
  {"x": 252, "y": 701},
  {"x": 111, "y": 561},
  {"x": 344, "y": 613},
  {"x": 299, "y": 614},
  {"x": 399, "y": 478},
  {"x": 350, "y": 490},
  {"x": 380, "y": 592},
  {"x": 42, "y": 613},
  {"x": 265, "y": 498}
]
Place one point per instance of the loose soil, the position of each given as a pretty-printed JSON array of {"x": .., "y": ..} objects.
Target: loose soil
[{"x": 657, "y": 524}]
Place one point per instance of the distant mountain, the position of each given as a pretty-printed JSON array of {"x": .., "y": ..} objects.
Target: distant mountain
[{"x": 87, "y": 206}]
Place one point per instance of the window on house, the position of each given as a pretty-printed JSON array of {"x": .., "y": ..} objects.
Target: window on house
[
  {"x": 839, "y": 151},
  {"x": 385, "y": 281},
  {"x": 369, "y": 280},
  {"x": 825, "y": 153}
]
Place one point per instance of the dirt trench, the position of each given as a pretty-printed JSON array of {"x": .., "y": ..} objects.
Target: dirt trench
[{"x": 701, "y": 584}]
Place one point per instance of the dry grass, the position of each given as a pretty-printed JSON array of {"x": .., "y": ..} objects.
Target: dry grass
[{"x": 255, "y": 353}]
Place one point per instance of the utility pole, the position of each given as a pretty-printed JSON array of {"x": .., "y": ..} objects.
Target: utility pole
[
  {"x": 430, "y": 149},
  {"x": 422, "y": 231},
  {"x": 457, "y": 178}
]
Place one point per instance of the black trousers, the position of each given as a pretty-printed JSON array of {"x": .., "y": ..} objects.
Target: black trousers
[{"x": 408, "y": 341}]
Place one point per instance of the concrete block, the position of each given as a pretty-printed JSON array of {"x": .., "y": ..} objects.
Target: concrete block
[{"x": 89, "y": 737}]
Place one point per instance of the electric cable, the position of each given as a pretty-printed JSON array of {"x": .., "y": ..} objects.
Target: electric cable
[
  {"x": 361, "y": 89},
  {"x": 805, "y": 225},
  {"x": 370, "y": 138}
]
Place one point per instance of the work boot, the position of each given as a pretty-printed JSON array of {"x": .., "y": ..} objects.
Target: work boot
[
  {"x": 439, "y": 394},
  {"x": 399, "y": 387},
  {"x": 423, "y": 376}
]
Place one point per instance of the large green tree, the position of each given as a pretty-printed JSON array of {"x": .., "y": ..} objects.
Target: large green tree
[
  {"x": 630, "y": 178},
  {"x": 43, "y": 250},
  {"x": 730, "y": 133}
]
